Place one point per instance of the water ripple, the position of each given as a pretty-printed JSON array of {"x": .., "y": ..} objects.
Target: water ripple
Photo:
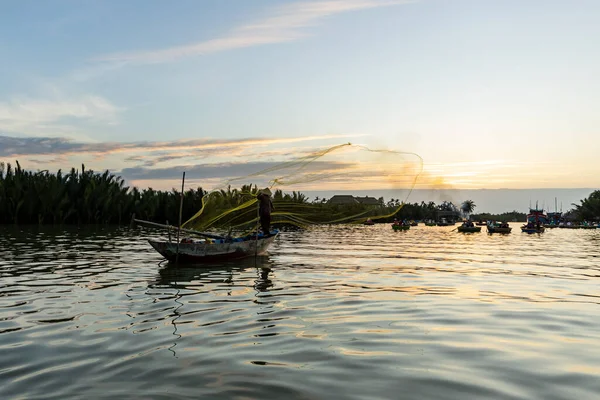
[{"x": 347, "y": 312}]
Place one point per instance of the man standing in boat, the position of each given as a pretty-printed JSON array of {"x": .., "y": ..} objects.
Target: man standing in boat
[{"x": 265, "y": 207}]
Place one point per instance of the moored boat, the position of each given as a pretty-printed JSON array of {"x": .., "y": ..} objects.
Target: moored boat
[
  {"x": 536, "y": 219},
  {"x": 532, "y": 229},
  {"x": 468, "y": 226},
  {"x": 498, "y": 228},
  {"x": 463, "y": 228}
]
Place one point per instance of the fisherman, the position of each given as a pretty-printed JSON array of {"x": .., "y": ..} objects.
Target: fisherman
[{"x": 265, "y": 207}]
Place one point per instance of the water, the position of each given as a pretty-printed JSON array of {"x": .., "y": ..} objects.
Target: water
[{"x": 345, "y": 312}]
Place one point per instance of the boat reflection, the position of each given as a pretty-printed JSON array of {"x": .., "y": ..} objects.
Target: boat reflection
[
  {"x": 183, "y": 276},
  {"x": 197, "y": 279}
]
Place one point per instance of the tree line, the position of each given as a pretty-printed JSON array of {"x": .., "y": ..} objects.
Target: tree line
[{"x": 88, "y": 197}]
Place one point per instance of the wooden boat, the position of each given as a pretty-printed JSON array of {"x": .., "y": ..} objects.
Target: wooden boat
[
  {"x": 205, "y": 250},
  {"x": 401, "y": 227},
  {"x": 445, "y": 222},
  {"x": 566, "y": 226},
  {"x": 497, "y": 229},
  {"x": 473, "y": 229},
  {"x": 526, "y": 229}
]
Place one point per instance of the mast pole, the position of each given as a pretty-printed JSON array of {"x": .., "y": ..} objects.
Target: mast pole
[{"x": 180, "y": 214}]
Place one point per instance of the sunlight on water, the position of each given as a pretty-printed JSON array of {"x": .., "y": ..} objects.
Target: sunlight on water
[{"x": 337, "y": 312}]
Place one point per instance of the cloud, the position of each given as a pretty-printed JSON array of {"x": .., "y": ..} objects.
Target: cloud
[
  {"x": 284, "y": 25},
  {"x": 211, "y": 162},
  {"x": 218, "y": 170},
  {"x": 16, "y": 146},
  {"x": 30, "y": 115}
]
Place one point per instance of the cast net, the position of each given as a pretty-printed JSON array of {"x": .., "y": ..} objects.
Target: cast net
[{"x": 333, "y": 185}]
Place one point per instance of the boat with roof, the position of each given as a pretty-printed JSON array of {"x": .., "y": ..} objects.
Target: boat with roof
[{"x": 535, "y": 220}]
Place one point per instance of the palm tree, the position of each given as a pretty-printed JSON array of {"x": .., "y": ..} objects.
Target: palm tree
[
  {"x": 467, "y": 207},
  {"x": 589, "y": 207}
]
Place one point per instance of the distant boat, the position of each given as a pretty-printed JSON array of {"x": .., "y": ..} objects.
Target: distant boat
[
  {"x": 498, "y": 228},
  {"x": 469, "y": 229},
  {"x": 527, "y": 229},
  {"x": 537, "y": 215},
  {"x": 554, "y": 218},
  {"x": 535, "y": 221},
  {"x": 445, "y": 222},
  {"x": 401, "y": 227}
]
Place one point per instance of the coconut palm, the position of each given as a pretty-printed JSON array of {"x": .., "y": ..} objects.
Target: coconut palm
[
  {"x": 589, "y": 209},
  {"x": 467, "y": 207}
]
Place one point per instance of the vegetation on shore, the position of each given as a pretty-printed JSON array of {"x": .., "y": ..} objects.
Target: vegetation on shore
[
  {"x": 589, "y": 208},
  {"x": 88, "y": 197},
  {"x": 504, "y": 217}
]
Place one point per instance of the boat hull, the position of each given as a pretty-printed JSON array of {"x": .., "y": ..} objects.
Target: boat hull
[
  {"x": 499, "y": 230},
  {"x": 469, "y": 229},
  {"x": 209, "y": 252},
  {"x": 401, "y": 227},
  {"x": 532, "y": 230}
]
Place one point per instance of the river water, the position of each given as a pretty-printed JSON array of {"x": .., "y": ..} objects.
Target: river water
[{"x": 336, "y": 312}]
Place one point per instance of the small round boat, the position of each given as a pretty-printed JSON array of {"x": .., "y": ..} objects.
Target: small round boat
[
  {"x": 471, "y": 229},
  {"x": 401, "y": 227},
  {"x": 532, "y": 230},
  {"x": 497, "y": 229}
]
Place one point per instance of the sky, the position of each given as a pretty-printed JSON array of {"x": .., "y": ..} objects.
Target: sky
[{"x": 488, "y": 93}]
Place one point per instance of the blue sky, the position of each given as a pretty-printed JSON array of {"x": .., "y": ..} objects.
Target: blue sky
[{"x": 489, "y": 93}]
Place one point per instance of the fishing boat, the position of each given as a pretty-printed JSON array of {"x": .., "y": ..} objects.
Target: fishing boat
[
  {"x": 537, "y": 215},
  {"x": 204, "y": 250},
  {"x": 211, "y": 246},
  {"x": 445, "y": 222},
  {"x": 554, "y": 218},
  {"x": 534, "y": 229},
  {"x": 495, "y": 227},
  {"x": 469, "y": 228},
  {"x": 536, "y": 219}
]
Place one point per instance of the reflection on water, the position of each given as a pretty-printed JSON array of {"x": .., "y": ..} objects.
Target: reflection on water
[{"x": 345, "y": 312}]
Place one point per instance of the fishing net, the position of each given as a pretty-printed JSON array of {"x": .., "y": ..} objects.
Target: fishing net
[{"x": 339, "y": 171}]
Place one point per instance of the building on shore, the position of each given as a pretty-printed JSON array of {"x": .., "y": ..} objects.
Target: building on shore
[{"x": 347, "y": 199}]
